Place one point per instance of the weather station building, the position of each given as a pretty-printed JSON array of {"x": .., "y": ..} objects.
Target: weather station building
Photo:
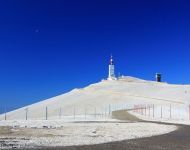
[{"x": 111, "y": 74}]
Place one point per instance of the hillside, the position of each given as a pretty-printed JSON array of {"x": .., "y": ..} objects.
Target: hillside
[{"x": 105, "y": 95}]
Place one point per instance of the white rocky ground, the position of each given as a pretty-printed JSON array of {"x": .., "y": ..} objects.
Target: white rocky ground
[{"x": 79, "y": 133}]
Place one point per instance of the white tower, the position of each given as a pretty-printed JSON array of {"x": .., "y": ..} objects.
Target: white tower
[{"x": 111, "y": 75}]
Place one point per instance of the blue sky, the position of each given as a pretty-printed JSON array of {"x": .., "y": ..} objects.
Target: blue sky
[{"x": 48, "y": 47}]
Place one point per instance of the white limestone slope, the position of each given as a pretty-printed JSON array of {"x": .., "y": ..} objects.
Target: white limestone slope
[{"x": 100, "y": 96}]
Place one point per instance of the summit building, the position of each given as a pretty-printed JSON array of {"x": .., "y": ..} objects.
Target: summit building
[{"x": 111, "y": 73}]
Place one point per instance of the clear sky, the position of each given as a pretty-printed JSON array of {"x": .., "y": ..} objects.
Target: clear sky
[{"x": 48, "y": 47}]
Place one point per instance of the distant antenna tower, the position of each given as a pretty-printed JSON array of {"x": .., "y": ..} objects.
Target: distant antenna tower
[{"x": 111, "y": 75}]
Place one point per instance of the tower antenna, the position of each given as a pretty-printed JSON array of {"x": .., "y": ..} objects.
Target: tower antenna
[{"x": 111, "y": 75}]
